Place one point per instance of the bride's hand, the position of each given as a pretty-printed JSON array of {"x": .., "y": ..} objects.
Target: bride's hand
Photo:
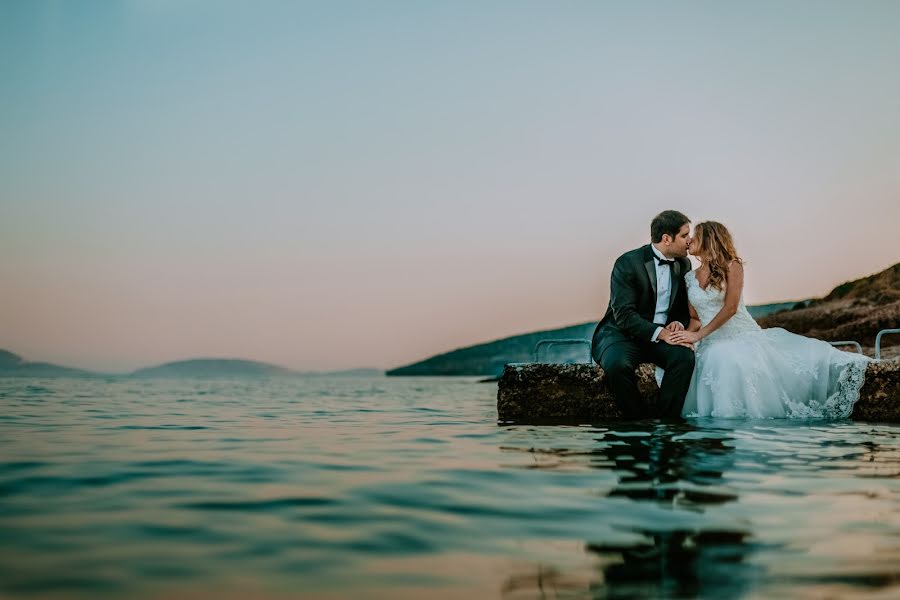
[{"x": 685, "y": 337}]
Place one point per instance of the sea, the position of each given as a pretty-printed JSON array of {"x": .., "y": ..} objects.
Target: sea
[{"x": 395, "y": 488}]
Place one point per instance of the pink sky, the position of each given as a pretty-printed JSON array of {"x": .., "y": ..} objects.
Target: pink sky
[{"x": 327, "y": 189}]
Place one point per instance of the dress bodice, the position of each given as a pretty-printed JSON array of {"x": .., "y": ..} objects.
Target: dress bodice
[{"x": 708, "y": 302}]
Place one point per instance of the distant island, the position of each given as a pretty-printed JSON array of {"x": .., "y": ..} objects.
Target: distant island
[
  {"x": 231, "y": 367},
  {"x": 213, "y": 367},
  {"x": 13, "y": 365},
  {"x": 855, "y": 310}
]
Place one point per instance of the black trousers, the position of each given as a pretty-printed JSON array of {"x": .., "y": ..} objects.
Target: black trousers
[{"x": 621, "y": 359}]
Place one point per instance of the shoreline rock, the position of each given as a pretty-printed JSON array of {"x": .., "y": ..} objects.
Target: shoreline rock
[{"x": 575, "y": 394}]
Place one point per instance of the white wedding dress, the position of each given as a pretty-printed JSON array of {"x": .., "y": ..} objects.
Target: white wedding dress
[{"x": 744, "y": 371}]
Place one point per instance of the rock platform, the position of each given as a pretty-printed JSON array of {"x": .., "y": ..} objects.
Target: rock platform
[{"x": 554, "y": 393}]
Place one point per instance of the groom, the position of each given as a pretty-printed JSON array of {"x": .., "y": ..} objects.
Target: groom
[{"x": 647, "y": 304}]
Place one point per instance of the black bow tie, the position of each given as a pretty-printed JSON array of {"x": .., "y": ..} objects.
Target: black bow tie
[{"x": 665, "y": 262}]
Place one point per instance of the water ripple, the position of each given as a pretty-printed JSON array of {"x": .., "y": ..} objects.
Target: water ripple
[
  {"x": 259, "y": 505},
  {"x": 394, "y": 487}
]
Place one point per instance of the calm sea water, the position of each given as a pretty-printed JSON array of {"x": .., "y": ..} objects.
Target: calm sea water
[{"x": 408, "y": 488}]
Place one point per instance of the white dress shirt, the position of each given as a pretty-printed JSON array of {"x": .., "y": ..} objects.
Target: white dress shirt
[{"x": 663, "y": 292}]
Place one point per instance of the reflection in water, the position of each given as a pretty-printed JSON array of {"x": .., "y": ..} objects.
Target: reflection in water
[
  {"x": 678, "y": 467},
  {"x": 664, "y": 465},
  {"x": 654, "y": 459},
  {"x": 678, "y": 563}
]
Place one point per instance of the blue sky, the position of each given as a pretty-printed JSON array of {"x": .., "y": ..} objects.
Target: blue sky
[{"x": 338, "y": 184}]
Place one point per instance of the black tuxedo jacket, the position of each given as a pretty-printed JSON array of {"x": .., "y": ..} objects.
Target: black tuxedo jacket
[{"x": 632, "y": 300}]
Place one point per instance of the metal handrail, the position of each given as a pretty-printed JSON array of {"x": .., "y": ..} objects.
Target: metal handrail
[
  {"x": 857, "y": 346},
  {"x": 878, "y": 341},
  {"x": 848, "y": 343},
  {"x": 551, "y": 343}
]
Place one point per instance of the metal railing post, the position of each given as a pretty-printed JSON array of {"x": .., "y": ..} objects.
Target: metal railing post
[
  {"x": 848, "y": 343},
  {"x": 551, "y": 343},
  {"x": 878, "y": 341}
]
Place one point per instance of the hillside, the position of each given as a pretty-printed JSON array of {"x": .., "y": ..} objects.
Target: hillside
[
  {"x": 855, "y": 310},
  {"x": 489, "y": 358},
  {"x": 213, "y": 367},
  {"x": 13, "y": 365}
]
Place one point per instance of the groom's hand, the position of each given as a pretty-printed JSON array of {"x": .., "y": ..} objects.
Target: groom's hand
[
  {"x": 666, "y": 336},
  {"x": 675, "y": 326}
]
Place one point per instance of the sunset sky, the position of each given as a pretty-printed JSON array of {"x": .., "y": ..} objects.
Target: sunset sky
[{"x": 337, "y": 184}]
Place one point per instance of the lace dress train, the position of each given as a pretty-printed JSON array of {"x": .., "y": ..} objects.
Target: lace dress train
[{"x": 745, "y": 371}]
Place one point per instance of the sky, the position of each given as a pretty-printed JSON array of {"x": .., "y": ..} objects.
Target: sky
[{"x": 339, "y": 184}]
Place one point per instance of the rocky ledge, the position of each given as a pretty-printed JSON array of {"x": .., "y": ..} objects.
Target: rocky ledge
[{"x": 553, "y": 393}]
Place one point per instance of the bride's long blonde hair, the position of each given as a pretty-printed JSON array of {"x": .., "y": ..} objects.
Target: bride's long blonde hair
[{"x": 715, "y": 245}]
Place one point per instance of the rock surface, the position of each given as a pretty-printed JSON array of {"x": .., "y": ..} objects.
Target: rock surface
[
  {"x": 856, "y": 310},
  {"x": 553, "y": 393},
  {"x": 879, "y": 398}
]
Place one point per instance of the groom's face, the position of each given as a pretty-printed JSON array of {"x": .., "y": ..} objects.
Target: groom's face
[{"x": 678, "y": 247}]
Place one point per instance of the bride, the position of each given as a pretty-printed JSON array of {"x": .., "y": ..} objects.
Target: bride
[{"x": 743, "y": 370}]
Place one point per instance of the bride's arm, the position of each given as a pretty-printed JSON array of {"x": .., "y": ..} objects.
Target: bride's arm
[
  {"x": 695, "y": 323},
  {"x": 734, "y": 284}
]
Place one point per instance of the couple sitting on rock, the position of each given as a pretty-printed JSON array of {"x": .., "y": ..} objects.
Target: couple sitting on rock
[{"x": 717, "y": 360}]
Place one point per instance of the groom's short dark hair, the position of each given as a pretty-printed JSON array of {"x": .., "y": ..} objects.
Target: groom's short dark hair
[{"x": 668, "y": 221}]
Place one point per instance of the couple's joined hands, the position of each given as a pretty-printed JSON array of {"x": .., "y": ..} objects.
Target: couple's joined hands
[{"x": 675, "y": 334}]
